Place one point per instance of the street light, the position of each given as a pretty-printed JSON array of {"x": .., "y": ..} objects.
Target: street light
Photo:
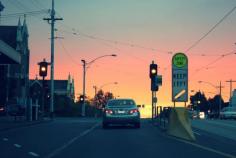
[
  {"x": 96, "y": 88},
  {"x": 107, "y": 84},
  {"x": 85, "y": 66}
]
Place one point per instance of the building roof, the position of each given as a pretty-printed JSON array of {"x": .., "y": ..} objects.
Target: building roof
[
  {"x": 8, "y": 55},
  {"x": 59, "y": 85},
  {"x": 8, "y": 34}
]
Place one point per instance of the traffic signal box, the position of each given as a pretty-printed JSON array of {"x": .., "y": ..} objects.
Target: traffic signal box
[
  {"x": 81, "y": 99},
  {"x": 153, "y": 76},
  {"x": 43, "y": 69}
]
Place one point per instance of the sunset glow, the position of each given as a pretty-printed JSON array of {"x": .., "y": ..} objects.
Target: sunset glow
[{"x": 137, "y": 32}]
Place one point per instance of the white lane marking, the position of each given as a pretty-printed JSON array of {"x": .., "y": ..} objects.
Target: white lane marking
[
  {"x": 58, "y": 150},
  {"x": 218, "y": 123},
  {"x": 205, "y": 148},
  {"x": 17, "y": 145},
  {"x": 5, "y": 139},
  {"x": 196, "y": 133},
  {"x": 33, "y": 154}
]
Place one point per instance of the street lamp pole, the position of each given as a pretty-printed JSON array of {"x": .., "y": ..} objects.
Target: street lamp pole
[
  {"x": 85, "y": 66},
  {"x": 108, "y": 84}
]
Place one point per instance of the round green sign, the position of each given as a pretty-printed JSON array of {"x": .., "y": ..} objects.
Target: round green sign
[{"x": 180, "y": 60}]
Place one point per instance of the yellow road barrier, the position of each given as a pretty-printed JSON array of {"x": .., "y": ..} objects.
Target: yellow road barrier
[{"x": 179, "y": 124}]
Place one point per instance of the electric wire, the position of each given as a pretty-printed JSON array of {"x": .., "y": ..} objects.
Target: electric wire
[{"x": 212, "y": 29}]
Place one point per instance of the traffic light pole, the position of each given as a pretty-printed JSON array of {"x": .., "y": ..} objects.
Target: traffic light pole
[
  {"x": 53, "y": 20},
  {"x": 43, "y": 98}
]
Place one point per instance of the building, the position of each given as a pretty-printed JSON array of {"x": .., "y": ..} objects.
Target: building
[
  {"x": 14, "y": 63},
  {"x": 233, "y": 99},
  {"x": 62, "y": 88}
]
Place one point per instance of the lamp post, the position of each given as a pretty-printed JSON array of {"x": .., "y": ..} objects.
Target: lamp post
[
  {"x": 85, "y": 66},
  {"x": 107, "y": 84}
]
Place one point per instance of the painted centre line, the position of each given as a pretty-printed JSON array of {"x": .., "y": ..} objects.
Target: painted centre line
[
  {"x": 33, "y": 154},
  {"x": 196, "y": 133},
  {"x": 60, "y": 149},
  {"x": 17, "y": 145}
]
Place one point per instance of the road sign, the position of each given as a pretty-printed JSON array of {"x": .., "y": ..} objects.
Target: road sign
[{"x": 180, "y": 78}]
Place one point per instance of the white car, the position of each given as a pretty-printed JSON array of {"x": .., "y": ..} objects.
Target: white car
[{"x": 228, "y": 113}]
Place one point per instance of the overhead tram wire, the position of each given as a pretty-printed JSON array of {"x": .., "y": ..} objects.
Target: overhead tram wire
[
  {"x": 67, "y": 53},
  {"x": 212, "y": 29},
  {"x": 32, "y": 13},
  {"x": 75, "y": 32}
]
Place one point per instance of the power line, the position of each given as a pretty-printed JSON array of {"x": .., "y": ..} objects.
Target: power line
[
  {"x": 212, "y": 29},
  {"x": 67, "y": 53},
  {"x": 214, "y": 61},
  {"x": 115, "y": 42},
  {"x": 25, "y": 13}
]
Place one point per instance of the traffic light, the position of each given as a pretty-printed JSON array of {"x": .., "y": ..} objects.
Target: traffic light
[
  {"x": 81, "y": 99},
  {"x": 153, "y": 70},
  {"x": 154, "y": 84},
  {"x": 43, "y": 68},
  {"x": 153, "y": 76}
]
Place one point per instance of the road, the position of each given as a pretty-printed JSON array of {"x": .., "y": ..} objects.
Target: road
[{"x": 85, "y": 138}]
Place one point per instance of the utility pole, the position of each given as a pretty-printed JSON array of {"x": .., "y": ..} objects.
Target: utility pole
[
  {"x": 231, "y": 88},
  {"x": 95, "y": 90},
  {"x": 53, "y": 19},
  {"x": 220, "y": 98},
  {"x": 84, "y": 73}
]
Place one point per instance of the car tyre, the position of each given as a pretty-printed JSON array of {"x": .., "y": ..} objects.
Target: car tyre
[
  {"x": 137, "y": 125},
  {"x": 104, "y": 125}
]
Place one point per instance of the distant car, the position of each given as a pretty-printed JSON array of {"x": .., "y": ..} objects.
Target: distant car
[
  {"x": 228, "y": 113},
  {"x": 2, "y": 110},
  {"x": 121, "y": 111},
  {"x": 202, "y": 115}
]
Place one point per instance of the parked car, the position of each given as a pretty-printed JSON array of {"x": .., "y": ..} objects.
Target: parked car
[
  {"x": 213, "y": 115},
  {"x": 228, "y": 113},
  {"x": 15, "y": 110},
  {"x": 121, "y": 111}
]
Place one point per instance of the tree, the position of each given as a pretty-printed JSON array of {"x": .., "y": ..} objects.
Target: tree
[
  {"x": 101, "y": 98},
  {"x": 199, "y": 102},
  {"x": 215, "y": 103}
]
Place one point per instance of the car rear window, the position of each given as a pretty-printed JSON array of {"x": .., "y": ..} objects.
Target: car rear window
[{"x": 121, "y": 103}]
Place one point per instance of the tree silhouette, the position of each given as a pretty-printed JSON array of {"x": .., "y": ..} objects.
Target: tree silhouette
[
  {"x": 199, "y": 102},
  {"x": 101, "y": 99}
]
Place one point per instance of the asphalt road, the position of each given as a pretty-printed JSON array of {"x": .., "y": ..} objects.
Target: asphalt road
[{"x": 85, "y": 138}]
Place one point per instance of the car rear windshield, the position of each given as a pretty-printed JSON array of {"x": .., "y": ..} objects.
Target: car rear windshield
[{"x": 121, "y": 103}]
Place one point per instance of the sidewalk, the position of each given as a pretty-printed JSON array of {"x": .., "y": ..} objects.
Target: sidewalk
[{"x": 9, "y": 122}]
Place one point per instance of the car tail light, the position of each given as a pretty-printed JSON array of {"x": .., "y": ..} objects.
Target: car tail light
[
  {"x": 133, "y": 111},
  {"x": 108, "y": 111},
  {"x": 1, "y": 109}
]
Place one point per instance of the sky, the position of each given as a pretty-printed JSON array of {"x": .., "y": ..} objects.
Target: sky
[{"x": 138, "y": 32}]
